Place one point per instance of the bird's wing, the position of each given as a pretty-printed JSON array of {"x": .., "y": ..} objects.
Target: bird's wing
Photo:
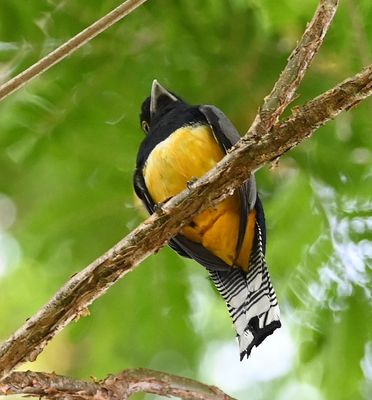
[{"x": 141, "y": 191}]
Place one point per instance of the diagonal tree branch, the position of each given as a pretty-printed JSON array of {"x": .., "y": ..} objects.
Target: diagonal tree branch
[
  {"x": 120, "y": 386},
  {"x": 69, "y": 47},
  {"x": 72, "y": 300}
]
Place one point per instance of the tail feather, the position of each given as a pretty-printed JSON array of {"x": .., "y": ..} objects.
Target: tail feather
[{"x": 250, "y": 299}]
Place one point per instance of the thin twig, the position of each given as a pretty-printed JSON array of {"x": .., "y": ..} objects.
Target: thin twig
[
  {"x": 72, "y": 300},
  {"x": 298, "y": 62},
  {"x": 69, "y": 47},
  {"x": 114, "y": 387}
]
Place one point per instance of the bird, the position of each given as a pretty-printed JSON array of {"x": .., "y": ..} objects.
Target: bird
[{"x": 182, "y": 142}]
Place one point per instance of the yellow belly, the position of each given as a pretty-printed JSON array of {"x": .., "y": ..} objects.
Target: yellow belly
[{"x": 186, "y": 154}]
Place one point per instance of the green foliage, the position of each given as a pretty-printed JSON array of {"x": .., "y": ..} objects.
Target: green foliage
[{"x": 68, "y": 146}]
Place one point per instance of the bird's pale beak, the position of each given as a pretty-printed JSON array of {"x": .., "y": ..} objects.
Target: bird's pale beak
[{"x": 158, "y": 91}]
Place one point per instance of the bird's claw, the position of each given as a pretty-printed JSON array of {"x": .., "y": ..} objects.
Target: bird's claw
[
  {"x": 160, "y": 206},
  {"x": 191, "y": 182}
]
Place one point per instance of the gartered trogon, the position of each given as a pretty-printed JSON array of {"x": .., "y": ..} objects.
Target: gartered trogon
[{"x": 182, "y": 143}]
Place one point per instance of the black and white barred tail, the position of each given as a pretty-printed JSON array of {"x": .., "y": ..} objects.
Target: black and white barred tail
[{"x": 250, "y": 299}]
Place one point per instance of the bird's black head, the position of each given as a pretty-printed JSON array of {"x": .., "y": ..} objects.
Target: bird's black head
[{"x": 157, "y": 105}]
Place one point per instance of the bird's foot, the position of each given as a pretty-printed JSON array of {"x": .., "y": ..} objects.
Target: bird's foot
[{"x": 191, "y": 182}]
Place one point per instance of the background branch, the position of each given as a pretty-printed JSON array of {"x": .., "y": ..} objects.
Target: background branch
[
  {"x": 119, "y": 386},
  {"x": 72, "y": 300},
  {"x": 69, "y": 47}
]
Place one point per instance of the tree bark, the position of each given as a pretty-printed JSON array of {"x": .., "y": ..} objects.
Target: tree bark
[{"x": 114, "y": 387}]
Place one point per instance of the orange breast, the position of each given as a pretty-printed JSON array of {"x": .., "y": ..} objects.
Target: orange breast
[{"x": 186, "y": 154}]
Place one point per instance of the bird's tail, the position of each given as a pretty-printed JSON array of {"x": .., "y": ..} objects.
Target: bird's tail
[{"x": 250, "y": 299}]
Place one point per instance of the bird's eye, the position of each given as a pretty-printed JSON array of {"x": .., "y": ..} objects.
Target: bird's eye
[{"x": 145, "y": 126}]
